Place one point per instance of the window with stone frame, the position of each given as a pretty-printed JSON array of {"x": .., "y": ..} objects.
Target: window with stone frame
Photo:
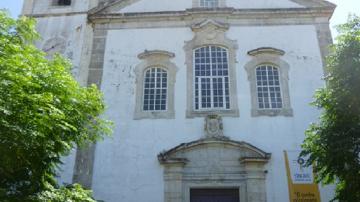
[
  {"x": 155, "y": 89},
  {"x": 268, "y": 75},
  {"x": 155, "y": 80},
  {"x": 268, "y": 87},
  {"x": 209, "y": 3},
  {"x": 211, "y": 78},
  {"x": 211, "y": 71}
]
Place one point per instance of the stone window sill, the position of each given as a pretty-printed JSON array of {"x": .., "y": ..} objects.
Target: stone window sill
[
  {"x": 223, "y": 113},
  {"x": 272, "y": 112},
  {"x": 154, "y": 115}
]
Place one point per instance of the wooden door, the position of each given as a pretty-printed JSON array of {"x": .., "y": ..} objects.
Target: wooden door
[{"x": 214, "y": 195}]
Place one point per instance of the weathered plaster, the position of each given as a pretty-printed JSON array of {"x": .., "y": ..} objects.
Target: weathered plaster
[{"x": 115, "y": 180}]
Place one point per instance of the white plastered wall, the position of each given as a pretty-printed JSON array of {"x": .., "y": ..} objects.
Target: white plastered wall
[{"x": 126, "y": 167}]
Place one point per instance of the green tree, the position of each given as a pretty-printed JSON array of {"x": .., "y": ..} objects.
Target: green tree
[
  {"x": 44, "y": 114},
  {"x": 333, "y": 144}
]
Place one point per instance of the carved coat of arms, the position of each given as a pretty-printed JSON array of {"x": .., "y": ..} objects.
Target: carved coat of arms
[{"x": 213, "y": 126}]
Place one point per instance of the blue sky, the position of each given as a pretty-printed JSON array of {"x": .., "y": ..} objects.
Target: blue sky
[{"x": 342, "y": 11}]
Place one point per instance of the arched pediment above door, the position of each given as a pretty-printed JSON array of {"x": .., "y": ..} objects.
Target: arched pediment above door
[
  {"x": 243, "y": 150},
  {"x": 214, "y": 163}
]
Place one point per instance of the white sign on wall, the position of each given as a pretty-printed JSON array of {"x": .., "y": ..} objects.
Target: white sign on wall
[{"x": 299, "y": 173}]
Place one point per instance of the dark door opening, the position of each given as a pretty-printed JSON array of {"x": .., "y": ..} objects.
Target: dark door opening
[{"x": 214, "y": 195}]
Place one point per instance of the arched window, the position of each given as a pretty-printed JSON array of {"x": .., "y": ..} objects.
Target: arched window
[
  {"x": 155, "y": 89},
  {"x": 268, "y": 74},
  {"x": 209, "y": 3},
  {"x": 268, "y": 87},
  {"x": 211, "y": 78}
]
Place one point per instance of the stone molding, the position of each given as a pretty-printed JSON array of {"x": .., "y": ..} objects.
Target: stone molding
[
  {"x": 97, "y": 57},
  {"x": 85, "y": 157},
  {"x": 227, "y": 12},
  {"x": 159, "y": 53},
  {"x": 265, "y": 56},
  {"x": 105, "y": 6},
  {"x": 206, "y": 33},
  {"x": 201, "y": 163},
  {"x": 169, "y": 156},
  {"x": 314, "y": 3},
  {"x": 266, "y": 50},
  {"x": 325, "y": 40},
  {"x": 155, "y": 58}
]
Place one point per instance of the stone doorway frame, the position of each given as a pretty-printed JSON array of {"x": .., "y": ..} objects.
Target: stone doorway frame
[{"x": 250, "y": 175}]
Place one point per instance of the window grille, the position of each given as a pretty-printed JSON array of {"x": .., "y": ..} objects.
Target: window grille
[
  {"x": 155, "y": 89},
  {"x": 211, "y": 90},
  {"x": 268, "y": 87},
  {"x": 209, "y": 3}
]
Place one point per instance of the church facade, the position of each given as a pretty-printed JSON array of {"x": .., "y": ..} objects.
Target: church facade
[{"x": 206, "y": 95}]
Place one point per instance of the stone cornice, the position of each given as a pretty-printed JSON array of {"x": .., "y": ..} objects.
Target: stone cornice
[
  {"x": 102, "y": 7},
  {"x": 59, "y": 14},
  {"x": 149, "y": 53},
  {"x": 229, "y": 13},
  {"x": 266, "y": 50}
]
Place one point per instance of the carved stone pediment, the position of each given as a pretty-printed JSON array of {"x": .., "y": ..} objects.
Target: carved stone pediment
[
  {"x": 214, "y": 162},
  {"x": 209, "y": 24},
  {"x": 210, "y": 31},
  {"x": 243, "y": 150}
]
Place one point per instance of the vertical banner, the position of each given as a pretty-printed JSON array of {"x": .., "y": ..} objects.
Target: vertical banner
[{"x": 302, "y": 187}]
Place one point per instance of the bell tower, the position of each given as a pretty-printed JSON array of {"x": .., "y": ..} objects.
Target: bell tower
[{"x": 64, "y": 28}]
